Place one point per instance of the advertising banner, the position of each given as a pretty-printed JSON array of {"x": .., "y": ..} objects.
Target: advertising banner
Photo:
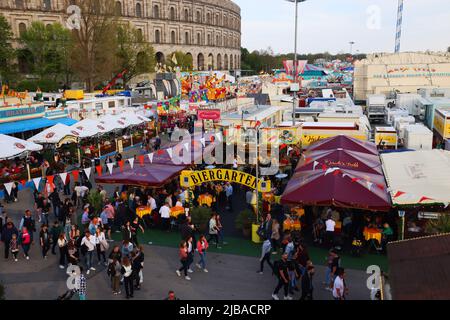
[{"x": 208, "y": 114}]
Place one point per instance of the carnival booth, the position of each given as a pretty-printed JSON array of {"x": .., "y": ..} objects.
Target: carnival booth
[{"x": 419, "y": 184}]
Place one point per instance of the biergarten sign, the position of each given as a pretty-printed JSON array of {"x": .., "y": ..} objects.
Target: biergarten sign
[{"x": 194, "y": 178}]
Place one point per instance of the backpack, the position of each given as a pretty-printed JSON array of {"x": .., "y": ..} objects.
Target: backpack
[{"x": 111, "y": 271}]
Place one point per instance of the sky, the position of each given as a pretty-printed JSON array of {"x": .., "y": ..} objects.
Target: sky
[{"x": 329, "y": 25}]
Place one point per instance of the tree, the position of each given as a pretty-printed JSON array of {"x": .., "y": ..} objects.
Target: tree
[
  {"x": 440, "y": 225},
  {"x": 6, "y": 50},
  {"x": 48, "y": 49},
  {"x": 182, "y": 60},
  {"x": 95, "y": 44},
  {"x": 133, "y": 54}
]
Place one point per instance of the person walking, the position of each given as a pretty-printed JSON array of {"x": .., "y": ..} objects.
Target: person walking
[
  {"x": 213, "y": 230},
  {"x": 28, "y": 222},
  {"x": 190, "y": 251},
  {"x": 8, "y": 231},
  {"x": 115, "y": 254},
  {"x": 14, "y": 247},
  {"x": 281, "y": 271},
  {"x": 183, "y": 254},
  {"x": 275, "y": 237},
  {"x": 339, "y": 289},
  {"x": 55, "y": 231},
  {"x": 114, "y": 271},
  {"x": 127, "y": 273},
  {"x": 89, "y": 242},
  {"x": 63, "y": 251},
  {"x": 164, "y": 211},
  {"x": 139, "y": 258},
  {"x": 265, "y": 255},
  {"x": 229, "y": 195},
  {"x": 101, "y": 245},
  {"x": 25, "y": 242},
  {"x": 202, "y": 247},
  {"x": 44, "y": 240},
  {"x": 307, "y": 284}
]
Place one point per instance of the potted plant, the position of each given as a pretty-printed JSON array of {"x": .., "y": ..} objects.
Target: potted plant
[
  {"x": 244, "y": 221},
  {"x": 200, "y": 218},
  {"x": 96, "y": 201}
]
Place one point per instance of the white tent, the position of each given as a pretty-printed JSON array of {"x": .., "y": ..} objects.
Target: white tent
[
  {"x": 113, "y": 122},
  {"x": 11, "y": 147},
  {"x": 56, "y": 135},
  {"x": 87, "y": 128},
  {"x": 418, "y": 177},
  {"x": 133, "y": 118}
]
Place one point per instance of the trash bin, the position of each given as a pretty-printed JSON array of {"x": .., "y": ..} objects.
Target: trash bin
[{"x": 255, "y": 237}]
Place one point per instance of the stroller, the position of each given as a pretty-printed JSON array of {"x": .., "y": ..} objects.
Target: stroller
[{"x": 66, "y": 295}]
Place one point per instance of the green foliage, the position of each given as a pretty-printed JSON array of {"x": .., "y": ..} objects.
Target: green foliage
[
  {"x": 46, "y": 85},
  {"x": 48, "y": 49},
  {"x": 95, "y": 200},
  {"x": 441, "y": 225},
  {"x": 182, "y": 60},
  {"x": 245, "y": 219},
  {"x": 200, "y": 215},
  {"x": 6, "y": 50},
  {"x": 133, "y": 54}
]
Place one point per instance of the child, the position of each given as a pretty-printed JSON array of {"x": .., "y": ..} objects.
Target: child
[{"x": 14, "y": 246}]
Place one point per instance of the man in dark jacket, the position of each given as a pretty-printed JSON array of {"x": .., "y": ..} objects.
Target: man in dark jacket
[
  {"x": 7, "y": 232},
  {"x": 307, "y": 284}
]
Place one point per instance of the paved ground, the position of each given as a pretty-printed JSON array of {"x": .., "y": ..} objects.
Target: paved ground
[{"x": 230, "y": 277}]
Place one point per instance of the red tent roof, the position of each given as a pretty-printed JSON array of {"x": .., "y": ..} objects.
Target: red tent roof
[
  {"x": 340, "y": 158},
  {"x": 150, "y": 175},
  {"x": 346, "y": 143},
  {"x": 338, "y": 187}
]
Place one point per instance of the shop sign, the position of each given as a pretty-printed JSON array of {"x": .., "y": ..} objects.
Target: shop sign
[
  {"x": 208, "y": 114},
  {"x": 194, "y": 178},
  {"x": 21, "y": 113},
  {"x": 428, "y": 215}
]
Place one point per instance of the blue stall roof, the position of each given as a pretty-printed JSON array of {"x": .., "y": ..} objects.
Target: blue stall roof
[{"x": 32, "y": 124}]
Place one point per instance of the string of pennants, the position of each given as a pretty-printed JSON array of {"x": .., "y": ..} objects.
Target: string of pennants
[{"x": 99, "y": 169}]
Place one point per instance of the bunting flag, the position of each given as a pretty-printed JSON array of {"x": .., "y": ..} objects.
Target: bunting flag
[
  {"x": 424, "y": 199},
  {"x": 8, "y": 187},
  {"x": 369, "y": 185},
  {"x": 160, "y": 152},
  {"x": 219, "y": 136},
  {"x": 50, "y": 180},
  {"x": 121, "y": 164},
  {"x": 169, "y": 151},
  {"x": 110, "y": 167},
  {"x": 186, "y": 146},
  {"x": 336, "y": 172},
  {"x": 131, "y": 161},
  {"x": 141, "y": 160},
  {"x": 315, "y": 164},
  {"x": 399, "y": 194},
  {"x": 23, "y": 183},
  {"x": 324, "y": 167},
  {"x": 63, "y": 177},
  {"x": 331, "y": 170},
  {"x": 150, "y": 157},
  {"x": 87, "y": 171},
  {"x": 75, "y": 175},
  {"x": 202, "y": 140},
  {"x": 36, "y": 182},
  {"x": 99, "y": 170},
  {"x": 355, "y": 179},
  {"x": 380, "y": 186}
]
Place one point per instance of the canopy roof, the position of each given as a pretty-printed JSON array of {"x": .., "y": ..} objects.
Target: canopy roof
[
  {"x": 112, "y": 122},
  {"x": 55, "y": 134},
  {"x": 88, "y": 128},
  {"x": 340, "y": 158},
  {"x": 149, "y": 175},
  {"x": 11, "y": 147},
  {"x": 133, "y": 118},
  {"x": 32, "y": 124},
  {"x": 338, "y": 187},
  {"x": 418, "y": 177},
  {"x": 344, "y": 142}
]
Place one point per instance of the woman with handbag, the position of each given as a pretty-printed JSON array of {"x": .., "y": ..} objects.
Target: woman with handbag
[{"x": 101, "y": 245}]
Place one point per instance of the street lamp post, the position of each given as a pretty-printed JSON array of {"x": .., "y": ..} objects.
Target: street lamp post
[
  {"x": 294, "y": 100},
  {"x": 351, "y": 46}
]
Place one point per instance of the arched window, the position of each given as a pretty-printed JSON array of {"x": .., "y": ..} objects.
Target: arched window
[
  {"x": 140, "y": 35},
  {"x": 186, "y": 14},
  {"x": 200, "y": 62},
  {"x": 172, "y": 13},
  {"x": 219, "y": 62},
  {"x": 208, "y": 18},
  {"x": 217, "y": 41},
  {"x": 199, "y": 38},
  {"x": 199, "y": 16},
  {"x": 173, "y": 37},
  {"x": 156, "y": 11},
  {"x": 118, "y": 8},
  {"x": 47, "y": 5},
  {"x": 22, "y": 28},
  {"x": 157, "y": 36},
  {"x": 209, "y": 40},
  {"x": 138, "y": 10},
  {"x": 231, "y": 62},
  {"x": 186, "y": 38},
  {"x": 19, "y": 4}
]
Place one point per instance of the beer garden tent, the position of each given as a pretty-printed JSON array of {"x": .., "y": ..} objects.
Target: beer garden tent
[
  {"x": 11, "y": 147},
  {"x": 150, "y": 175},
  {"x": 88, "y": 128},
  {"x": 341, "y": 158},
  {"x": 418, "y": 178},
  {"x": 346, "y": 143},
  {"x": 58, "y": 134},
  {"x": 133, "y": 119},
  {"x": 112, "y": 122}
]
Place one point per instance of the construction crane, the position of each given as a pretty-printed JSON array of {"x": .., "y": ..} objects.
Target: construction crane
[
  {"x": 113, "y": 81},
  {"x": 398, "y": 33}
]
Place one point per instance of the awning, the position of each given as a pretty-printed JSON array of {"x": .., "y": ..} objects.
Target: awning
[
  {"x": 32, "y": 124},
  {"x": 11, "y": 147}
]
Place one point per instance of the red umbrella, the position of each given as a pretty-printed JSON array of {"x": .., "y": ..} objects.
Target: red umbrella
[
  {"x": 338, "y": 187},
  {"x": 345, "y": 159},
  {"x": 151, "y": 175},
  {"x": 346, "y": 143}
]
